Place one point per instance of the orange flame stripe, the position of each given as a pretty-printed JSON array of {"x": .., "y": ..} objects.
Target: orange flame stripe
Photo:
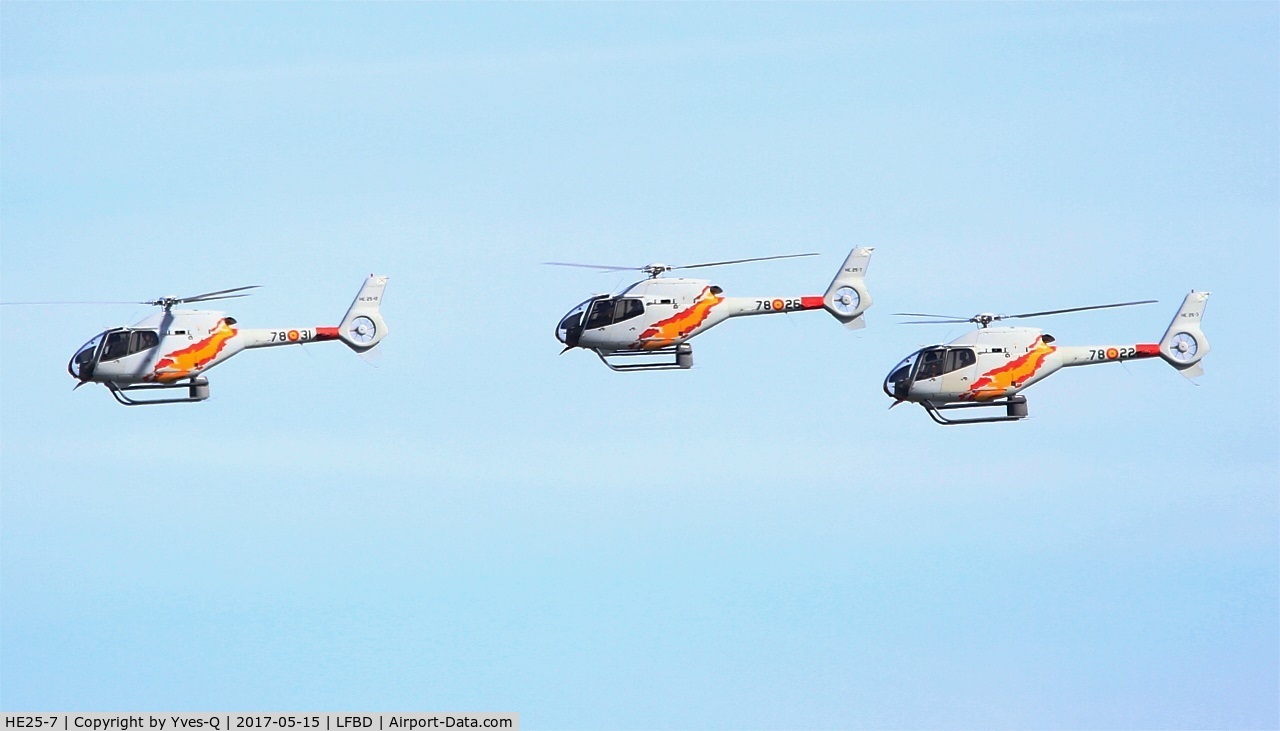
[
  {"x": 669, "y": 331},
  {"x": 993, "y": 384},
  {"x": 180, "y": 363}
]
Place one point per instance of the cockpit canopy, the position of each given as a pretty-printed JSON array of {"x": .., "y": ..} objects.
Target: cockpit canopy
[
  {"x": 570, "y": 327},
  {"x": 597, "y": 312},
  {"x": 924, "y": 364},
  {"x": 110, "y": 345}
]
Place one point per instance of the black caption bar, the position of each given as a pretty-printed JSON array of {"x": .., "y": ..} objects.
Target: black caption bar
[{"x": 258, "y": 721}]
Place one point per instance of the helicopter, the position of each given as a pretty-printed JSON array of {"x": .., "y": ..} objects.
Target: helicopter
[
  {"x": 990, "y": 367},
  {"x": 172, "y": 349},
  {"x": 647, "y": 325}
]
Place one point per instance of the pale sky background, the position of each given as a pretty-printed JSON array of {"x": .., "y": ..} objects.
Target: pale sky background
[{"x": 482, "y": 524}]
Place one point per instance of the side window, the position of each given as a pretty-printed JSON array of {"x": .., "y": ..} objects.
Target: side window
[
  {"x": 627, "y": 309},
  {"x": 143, "y": 340},
  {"x": 117, "y": 346},
  {"x": 960, "y": 358},
  {"x": 931, "y": 364},
  {"x": 607, "y": 312},
  {"x": 601, "y": 314}
]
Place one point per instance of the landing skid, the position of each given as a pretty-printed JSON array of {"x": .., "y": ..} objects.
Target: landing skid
[
  {"x": 1015, "y": 410},
  {"x": 197, "y": 390},
  {"x": 676, "y": 356}
]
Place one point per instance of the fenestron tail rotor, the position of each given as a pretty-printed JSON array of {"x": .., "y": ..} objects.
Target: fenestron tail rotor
[
  {"x": 654, "y": 270},
  {"x": 984, "y": 319}
]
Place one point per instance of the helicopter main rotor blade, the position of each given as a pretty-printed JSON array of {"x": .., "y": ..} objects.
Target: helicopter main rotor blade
[
  {"x": 933, "y": 322},
  {"x": 205, "y": 298},
  {"x": 1076, "y": 309},
  {"x": 926, "y": 314},
  {"x": 69, "y": 302},
  {"x": 740, "y": 261},
  {"x": 210, "y": 295},
  {"x": 592, "y": 266},
  {"x": 210, "y": 299}
]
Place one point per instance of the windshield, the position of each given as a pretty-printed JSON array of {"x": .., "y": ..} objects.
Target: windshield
[
  {"x": 108, "y": 346},
  {"x": 570, "y": 327},
  {"x": 901, "y": 374},
  {"x": 924, "y": 364},
  {"x": 81, "y": 365},
  {"x": 85, "y": 353}
]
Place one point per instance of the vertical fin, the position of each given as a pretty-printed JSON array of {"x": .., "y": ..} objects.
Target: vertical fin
[
  {"x": 1184, "y": 344},
  {"x": 847, "y": 297},
  {"x": 363, "y": 327}
]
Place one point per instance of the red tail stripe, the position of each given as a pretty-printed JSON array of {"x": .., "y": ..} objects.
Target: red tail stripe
[
  {"x": 811, "y": 303},
  {"x": 1147, "y": 349},
  {"x": 326, "y": 333}
]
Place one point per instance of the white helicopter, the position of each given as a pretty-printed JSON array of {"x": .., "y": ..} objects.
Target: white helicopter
[
  {"x": 181, "y": 345},
  {"x": 647, "y": 326},
  {"x": 991, "y": 366}
]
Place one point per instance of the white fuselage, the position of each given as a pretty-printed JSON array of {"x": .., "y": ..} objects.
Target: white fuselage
[
  {"x": 993, "y": 363},
  {"x": 173, "y": 345},
  {"x": 658, "y": 316},
  {"x": 662, "y": 312}
]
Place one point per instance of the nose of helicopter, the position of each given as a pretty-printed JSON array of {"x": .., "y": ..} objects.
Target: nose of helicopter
[
  {"x": 897, "y": 388},
  {"x": 81, "y": 365},
  {"x": 897, "y": 385},
  {"x": 80, "y": 368},
  {"x": 570, "y": 329}
]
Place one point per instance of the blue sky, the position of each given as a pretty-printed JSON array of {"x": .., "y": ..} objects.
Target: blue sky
[{"x": 479, "y": 523}]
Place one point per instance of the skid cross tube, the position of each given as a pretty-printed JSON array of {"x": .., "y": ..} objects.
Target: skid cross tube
[
  {"x": 1015, "y": 410},
  {"x": 675, "y": 352},
  {"x": 197, "y": 390}
]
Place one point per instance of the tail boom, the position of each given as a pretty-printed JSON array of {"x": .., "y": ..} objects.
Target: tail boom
[{"x": 1078, "y": 355}]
